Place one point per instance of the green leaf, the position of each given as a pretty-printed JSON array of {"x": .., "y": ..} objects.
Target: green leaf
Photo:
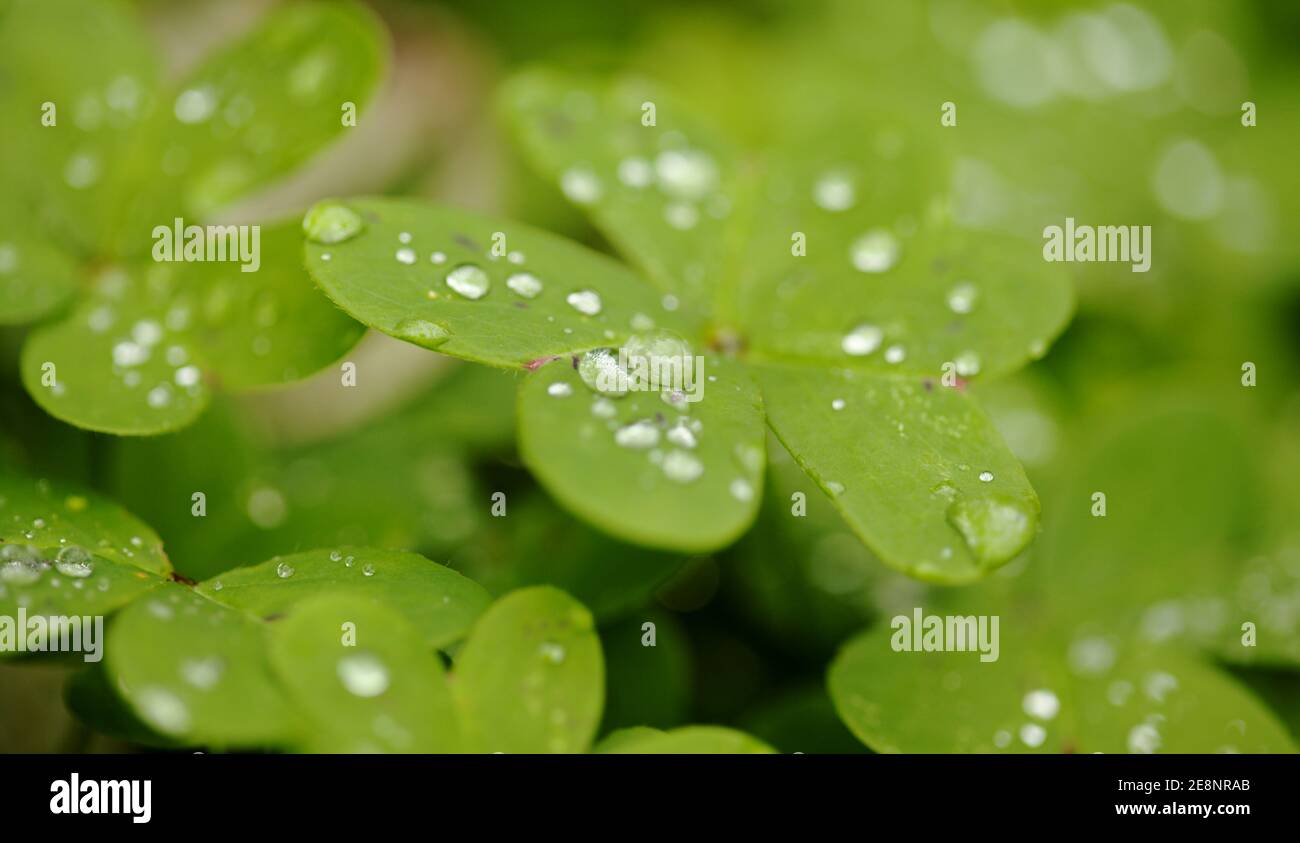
[
  {"x": 196, "y": 671},
  {"x": 802, "y": 721},
  {"x": 663, "y": 494},
  {"x": 361, "y": 673},
  {"x": 354, "y": 252},
  {"x": 440, "y": 603},
  {"x": 662, "y": 193},
  {"x": 1130, "y": 699},
  {"x": 139, "y": 354},
  {"x": 90, "y": 696},
  {"x": 631, "y": 736},
  {"x": 892, "y": 281},
  {"x": 253, "y": 113},
  {"x": 905, "y": 460},
  {"x": 94, "y": 64},
  {"x": 48, "y": 514},
  {"x": 688, "y": 740},
  {"x": 35, "y": 278},
  {"x": 530, "y": 679}
]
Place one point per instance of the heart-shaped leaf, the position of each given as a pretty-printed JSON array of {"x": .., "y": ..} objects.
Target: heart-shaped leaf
[
  {"x": 531, "y": 678},
  {"x": 440, "y": 603},
  {"x": 483, "y": 289},
  {"x": 656, "y": 181},
  {"x": 680, "y": 475},
  {"x": 361, "y": 673},
  {"x": 196, "y": 671},
  {"x": 915, "y": 468},
  {"x": 139, "y": 354}
]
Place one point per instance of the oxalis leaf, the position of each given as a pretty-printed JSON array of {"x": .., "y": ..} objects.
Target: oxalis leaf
[
  {"x": 531, "y": 677},
  {"x": 659, "y": 471},
  {"x": 141, "y": 353},
  {"x": 470, "y": 286},
  {"x": 361, "y": 673},
  {"x": 197, "y": 672},
  {"x": 66, "y": 552},
  {"x": 656, "y": 180},
  {"x": 440, "y": 603},
  {"x": 913, "y": 466}
]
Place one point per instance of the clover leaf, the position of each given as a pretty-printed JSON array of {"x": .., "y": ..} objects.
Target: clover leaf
[{"x": 111, "y": 154}]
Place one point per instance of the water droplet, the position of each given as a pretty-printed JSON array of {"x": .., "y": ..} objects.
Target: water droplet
[
  {"x": 331, "y": 222},
  {"x": 601, "y": 373},
  {"x": 1041, "y": 704},
  {"x": 194, "y": 105},
  {"x": 994, "y": 528},
  {"x": 585, "y": 301},
  {"x": 837, "y": 404},
  {"x": 202, "y": 673},
  {"x": 559, "y": 389},
  {"x": 284, "y": 570},
  {"x": 685, "y": 173},
  {"x": 682, "y": 216},
  {"x": 552, "y": 652},
  {"x": 681, "y": 435},
  {"x": 682, "y": 467},
  {"x": 163, "y": 710},
  {"x": 641, "y": 434},
  {"x": 216, "y": 586},
  {"x": 74, "y": 561},
  {"x": 469, "y": 281},
  {"x": 187, "y": 376},
  {"x": 641, "y": 322},
  {"x": 368, "y": 570},
  {"x": 160, "y": 396},
  {"x": 635, "y": 172},
  {"x": 895, "y": 354},
  {"x": 525, "y": 284},
  {"x": 986, "y": 477},
  {"x": 603, "y": 408},
  {"x": 363, "y": 675},
  {"x": 836, "y": 489},
  {"x": 967, "y": 364},
  {"x": 1032, "y": 735},
  {"x": 862, "y": 340},
  {"x": 834, "y": 192},
  {"x": 421, "y": 332},
  {"x": 335, "y": 556},
  {"x": 127, "y": 353},
  {"x": 406, "y": 255},
  {"x": 1143, "y": 739},
  {"x": 741, "y": 490},
  {"x": 961, "y": 299},
  {"x": 875, "y": 251},
  {"x": 81, "y": 171},
  {"x": 267, "y": 508},
  {"x": 581, "y": 185}
]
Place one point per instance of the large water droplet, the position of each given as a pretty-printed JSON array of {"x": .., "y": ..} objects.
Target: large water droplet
[
  {"x": 834, "y": 192},
  {"x": 995, "y": 528},
  {"x": 363, "y": 675},
  {"x": 421, "y": 332},
  {"x": 875, "y": 251},
  {"x": 862, "y": 340},
  {"x": 469, "y": 281},
  {"x": 600, "y": 371},
  {"x": 74, "y": 561},
  {"x": 586, "y": 302},
  {"x": 331, "y": 222}
]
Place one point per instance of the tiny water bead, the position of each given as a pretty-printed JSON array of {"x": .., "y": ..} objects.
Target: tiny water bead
[
  {"x": 368, "y": 570},
  {"x": 163, "y": 710},
  {"x": 837, "y": 404},
  {"x": 741, "y": 490},
  {"x": 363, "y": 675},
  {"x": 682, "y": 435},
  {"x": 1032, "y": 735},
  {"x": 552, "y": 652},
  {"x": 682, "y": 467},
  {"x": 1041, "y": 704},
  {"x": 74, "y": 561},
  {"x": 986, "y": 477},
  {"x": 559, "y": 389},
  {"x": 203, "y": 674},
  {"x": 284, "y": 570},
  {"x": 961, "y": 299},
  {"x": 875, "y": 251},
  {"x": 640, "y": 435},
  {"x": 834, "y": 192},
  {"x": 586, "y": 302},
  {"x": 581, "y": 185},
  {"x": 421, "y": 332},
  {"x": 469, "y": 281},
  {"x": 331, "y": 222},
  {"x": 405, "y": 256},
  {"x": 862, "y": 340},
  {"x": 635, "y": 172},
  {"x": 967, "y": 364},
  {"x": 525, "y": 284},
  {"x": 895, "y": 354}
]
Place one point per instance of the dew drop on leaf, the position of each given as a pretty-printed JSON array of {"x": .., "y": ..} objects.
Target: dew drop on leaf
[
  {"x": 994, "y": 528},
  {"x": 682, "y": 467},
  {"x": 363, "y": 675},
  {"x": 284, "y": 570},
  {"x": 331, "y": 222},
  {"x": 469, "y": 281},
  {"x": 421, "y": 332},
  {"x": 862, "y": 340},
  {"x": 640, "y": 435},
  {"x": 875, "y": 251},
  {"x": 525, "y": 284},
  {"x": 74, "y": 561},
  {"x": 586, "y": 302}
]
